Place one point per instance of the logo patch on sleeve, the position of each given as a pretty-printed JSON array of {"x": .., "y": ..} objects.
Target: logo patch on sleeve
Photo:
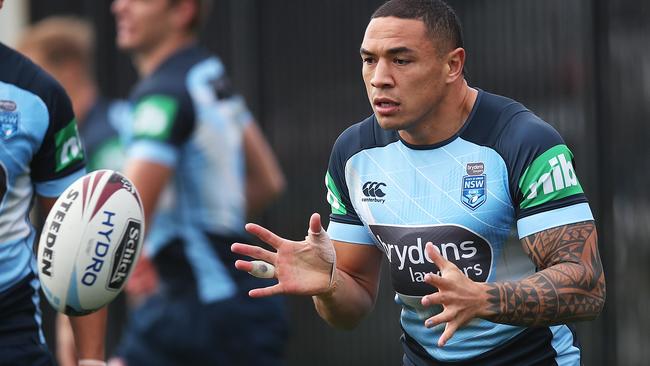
[
  {"x": 551, "y": 176},
  {"x": 68, "y": 146},
  {"x": 334, "y": 197},
  {"x": 154, "y": 117}
]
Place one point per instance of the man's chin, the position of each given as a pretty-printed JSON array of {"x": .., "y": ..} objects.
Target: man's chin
[
  {"x": 389, "y": 122},
  {"x": 125, "y": 44}
]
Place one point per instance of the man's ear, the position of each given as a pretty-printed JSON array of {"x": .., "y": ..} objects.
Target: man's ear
[{"x": 455, "y": 64}]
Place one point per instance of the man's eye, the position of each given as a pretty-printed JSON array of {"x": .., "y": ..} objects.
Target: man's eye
[
  {"x": 400, "y": 61},
  {"x": 368, "y": 60}
]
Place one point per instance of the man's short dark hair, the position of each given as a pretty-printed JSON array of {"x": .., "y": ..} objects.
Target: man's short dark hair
[{"x": 440, "y": 19}]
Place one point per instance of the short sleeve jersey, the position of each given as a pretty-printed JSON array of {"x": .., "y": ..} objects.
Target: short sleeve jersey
[
  {"x": 186, "y": 117},
  {"x": 104, "y": 132},
  {"x": 505, "y": 166},
  {"x": 40, "y": 151}
]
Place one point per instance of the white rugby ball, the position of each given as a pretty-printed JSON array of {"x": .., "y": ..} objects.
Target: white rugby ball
[{"x": 90, "y": 242}]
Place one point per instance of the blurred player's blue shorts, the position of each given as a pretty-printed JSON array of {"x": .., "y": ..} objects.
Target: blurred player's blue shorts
[
  {"x": 173, "y": 327},
  {"x": 21, "y": 338}
]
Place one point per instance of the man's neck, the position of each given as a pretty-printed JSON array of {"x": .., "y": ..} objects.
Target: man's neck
[
  {"x": 450, "y": 116},
  {"x": 148, "y": 61}
]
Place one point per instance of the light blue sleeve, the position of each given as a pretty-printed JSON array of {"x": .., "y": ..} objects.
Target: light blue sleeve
[
  {"x": 54, "y": 188},
  {"x": 349, "y": 233},
  {"x": 554, "y": 218},
  {"x": 154, "y": 151}
]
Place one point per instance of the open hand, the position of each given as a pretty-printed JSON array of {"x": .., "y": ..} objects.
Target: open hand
[
  {"x": 461, "y": 298},
  {"x": 301, "y": 267}
]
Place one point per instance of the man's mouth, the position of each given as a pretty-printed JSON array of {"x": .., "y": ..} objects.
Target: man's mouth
[{"x": 385, "y": 106}]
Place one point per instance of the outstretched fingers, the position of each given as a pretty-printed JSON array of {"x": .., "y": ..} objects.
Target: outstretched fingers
[
  {"x": 265, "y": 235},
  {"x": 266, "y": 291},
  {"x": 451, "y": 325},
  {"x": 436, "y": 257},
  {"x": 450, "y": 329},
  {"x": 254, "y": 251}
]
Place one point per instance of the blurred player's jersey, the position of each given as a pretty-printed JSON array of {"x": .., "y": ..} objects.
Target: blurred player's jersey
[
  {"x": 464, "y": 194},
  {"x": 104, "y": 132},
  {"x": 186, "y": 117},
  {"x": 39, "y": 151}
]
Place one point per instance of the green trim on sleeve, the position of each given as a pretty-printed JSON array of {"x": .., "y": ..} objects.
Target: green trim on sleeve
[
  {"x": 68, "y": 146},
  {"x": 154, "y": 117},
  {"x": 549, "y": 177},
  {"x": 333, "y": 196}
]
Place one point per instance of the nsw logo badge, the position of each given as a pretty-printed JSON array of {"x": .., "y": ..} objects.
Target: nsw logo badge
[
  {"x": 474, "y": 193},
  {"x": 8, "y": 118}
]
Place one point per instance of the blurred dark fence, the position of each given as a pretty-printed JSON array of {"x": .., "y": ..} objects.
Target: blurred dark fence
[{"x": 584, "y": 66}]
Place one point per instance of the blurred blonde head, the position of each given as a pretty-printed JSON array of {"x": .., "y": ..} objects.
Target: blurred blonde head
[
  {"x": 59, "y": 44},
  {"x": 64, "y": 47}
]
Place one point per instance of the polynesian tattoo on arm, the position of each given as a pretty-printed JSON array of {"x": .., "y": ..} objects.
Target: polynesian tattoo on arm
[{"x": 569, "y": 285}]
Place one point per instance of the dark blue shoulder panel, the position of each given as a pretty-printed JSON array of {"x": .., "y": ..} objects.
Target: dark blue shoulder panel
[
  {"x": 519, "y": 136},
  {"x": 363, "y": 135}
]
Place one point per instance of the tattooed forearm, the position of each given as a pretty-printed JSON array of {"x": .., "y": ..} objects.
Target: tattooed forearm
[{"x": 569, "y": 286}]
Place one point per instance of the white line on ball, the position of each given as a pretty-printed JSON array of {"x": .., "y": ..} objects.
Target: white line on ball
[{"x": 262, "y": 269}]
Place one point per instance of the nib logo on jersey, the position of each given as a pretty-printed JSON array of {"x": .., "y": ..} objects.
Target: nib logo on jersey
[
  {"x": 549, "y": 177},
  {"x": 373, "y": 192},
  {"x": 404, "y": 248}
]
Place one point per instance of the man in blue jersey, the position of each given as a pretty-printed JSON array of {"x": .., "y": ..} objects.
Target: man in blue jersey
[
  {"x": 433, "y": 181},
  {"x": 40, "y": 153},
  {"x": 201, "y": 165},
  {"x": 63, "y": 46}
]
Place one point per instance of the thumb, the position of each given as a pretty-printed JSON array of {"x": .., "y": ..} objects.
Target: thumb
[
  {"x": 318, "y": 236},
  {"x": 315, "y": 226}
]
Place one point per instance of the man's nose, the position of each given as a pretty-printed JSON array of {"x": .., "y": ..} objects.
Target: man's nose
[{"x": 382, "y": 76}]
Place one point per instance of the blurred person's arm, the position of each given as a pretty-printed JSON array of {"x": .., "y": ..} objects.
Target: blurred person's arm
[
  {"x": 89, "y": 333},
  {"x": 264, "y": 178},
  {"x": 89, "y": 330},
  {"x": 150, "y": 179},
  {"x": 65, "y": 346}
]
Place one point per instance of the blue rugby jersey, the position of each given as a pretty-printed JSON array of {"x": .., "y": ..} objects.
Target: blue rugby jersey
[
  {"x": 504, "y": 166},
  {"x": 39, "y": 151},
  {"x": 104, "y": 132},
  {"x": 186, "y": 117}
]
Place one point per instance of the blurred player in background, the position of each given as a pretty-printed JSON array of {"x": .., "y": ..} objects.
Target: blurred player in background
[
  {"x": 195, "y": 138},
  {"x": 63, "y": 46},
  {"x": 40, "y": 152},
  {"x": 434, "y": 180}
]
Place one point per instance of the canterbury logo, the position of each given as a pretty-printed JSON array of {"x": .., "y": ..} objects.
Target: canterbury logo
[
  {"x": 373, "y": 189},
  {"x": 373, "y": 192}
]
